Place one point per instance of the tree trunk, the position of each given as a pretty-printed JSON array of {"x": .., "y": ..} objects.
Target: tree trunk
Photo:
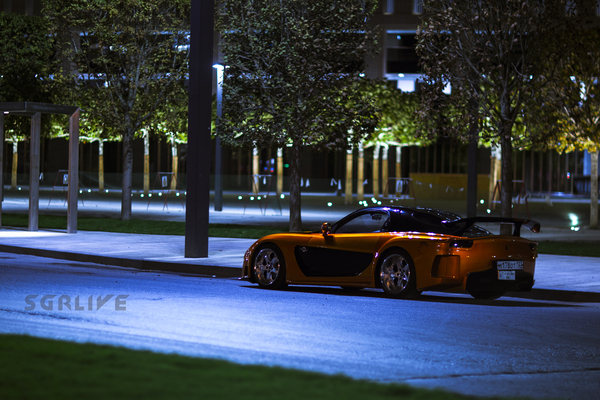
[
  {"x": 594, "y": 191},
  {"x": 506, "y": 176},
  {"x": 295, "y": 194},
  {"x": 127, "y": 176}
]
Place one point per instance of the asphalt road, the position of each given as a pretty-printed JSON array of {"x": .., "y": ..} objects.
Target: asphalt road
[{"x": 508, "y": 347}]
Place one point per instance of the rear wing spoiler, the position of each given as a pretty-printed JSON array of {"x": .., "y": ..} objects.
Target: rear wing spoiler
[{"x": 462, "y": 225}]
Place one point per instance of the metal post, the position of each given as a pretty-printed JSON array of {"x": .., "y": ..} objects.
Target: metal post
[
  {"x": 34, "y": 171},
  {"x": 218, "y": 150},
  {"x": 199, "y": 120},
  {"x": 1, "y": 164},
  {"x": 73, "y": 172}
]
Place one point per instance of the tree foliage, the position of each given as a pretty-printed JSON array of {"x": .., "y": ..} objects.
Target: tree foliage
[
  {"x": 397, "y": 113},
  {"x": 128, "y": 56},
  {"x": 292, "y": 77},
  {"x": 498, "y": 56},
  {"x": 26, "y": 60},
  {"x": 576, "y": 96}
]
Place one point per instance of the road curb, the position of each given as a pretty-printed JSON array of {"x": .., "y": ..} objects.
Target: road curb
[{"x": 149, "y": 265}]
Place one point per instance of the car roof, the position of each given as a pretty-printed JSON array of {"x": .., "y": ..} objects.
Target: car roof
[{"x": 410, "y": 219}]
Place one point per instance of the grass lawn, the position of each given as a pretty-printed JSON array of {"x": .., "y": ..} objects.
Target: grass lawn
[
  {"x": 586, "y": 249},
  {"x": 139, "y": 226},
  {"x": 34, "y": 368}
]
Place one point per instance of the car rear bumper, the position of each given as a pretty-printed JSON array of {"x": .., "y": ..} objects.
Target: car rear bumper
[{"x": 488, "y": 281}]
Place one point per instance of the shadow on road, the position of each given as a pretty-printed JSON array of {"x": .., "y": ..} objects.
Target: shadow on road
[
  {"x": 454, "y": 298},
  {"x": 568, "y": 296}
]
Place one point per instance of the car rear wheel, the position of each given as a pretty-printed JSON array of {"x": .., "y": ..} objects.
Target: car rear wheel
[
  {"x": 397, "y": 274},
  {"x": 486, "y": 294},
  {"x": 269, "y": 267}
]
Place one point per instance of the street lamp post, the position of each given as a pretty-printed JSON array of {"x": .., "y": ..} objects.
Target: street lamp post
[{"x": 199, "y": 120}]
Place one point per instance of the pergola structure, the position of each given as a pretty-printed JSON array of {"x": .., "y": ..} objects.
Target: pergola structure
[{"x": 34, "y": 111}]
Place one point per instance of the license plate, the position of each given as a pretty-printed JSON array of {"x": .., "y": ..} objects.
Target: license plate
[
  {"x": 506, "y": 275},
  {"x": 509, "y": 265}
]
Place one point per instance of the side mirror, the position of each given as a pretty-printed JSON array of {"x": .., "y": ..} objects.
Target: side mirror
[{"x": 325, "y": 228}]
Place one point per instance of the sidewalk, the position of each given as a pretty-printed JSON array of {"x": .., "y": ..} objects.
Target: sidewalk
[
  {"x": 567, "y": 278},
  {"x": 149, "y": 252}
]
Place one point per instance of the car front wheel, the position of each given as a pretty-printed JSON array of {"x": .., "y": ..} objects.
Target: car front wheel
[
  {"x": 397, "y": 274},
  {"x": 269, "y": 267}
]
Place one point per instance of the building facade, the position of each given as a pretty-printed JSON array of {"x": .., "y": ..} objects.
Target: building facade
[{"x": 441, "y": 166}]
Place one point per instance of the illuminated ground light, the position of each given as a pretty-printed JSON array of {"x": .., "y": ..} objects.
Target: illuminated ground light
[
  {"x": 106, "y": 191},
  {"x": 481, "y": 201},
  {"x": 282, "y": 196},
  {"x": 489, "y": 211},
  {"x": 160, "y": 193},
  {"x": 240, "y": 197},
  {"x": 177, "y": 194},
  {"x": 81, "y": 191},
  {"x": 329, "y": 204},
  {"x": 251, "y": 198},
  {"x": 19, "y": 188},
  {"x": 89, "y": 190},
  {"x": 258, "y": 198},
  {"x": 574, "y": 222},
  {"x": 142, "y": 195},
  {"x": 149, "y": 194},
  {"x": 374, "y": 200}
]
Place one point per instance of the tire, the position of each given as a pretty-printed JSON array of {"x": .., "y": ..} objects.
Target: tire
[
  {"x": 486, "y": 294},
  {"x": 397, "y": 273},
  {"x": 269, "y": 267}
]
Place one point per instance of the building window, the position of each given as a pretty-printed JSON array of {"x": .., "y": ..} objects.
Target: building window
[
  {"x": 389, "y": 7},
  {"x": 401, "y": 56},
  {"x": 418, "y": 7}
]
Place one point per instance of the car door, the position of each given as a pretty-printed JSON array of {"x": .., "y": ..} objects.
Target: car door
[{"x": 346, "y": 251}]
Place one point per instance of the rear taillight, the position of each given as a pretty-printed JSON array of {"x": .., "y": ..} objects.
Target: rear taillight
[{"x": 533, "y": 247}]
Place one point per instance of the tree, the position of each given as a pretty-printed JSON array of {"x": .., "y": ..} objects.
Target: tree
[
  {"x": 128, "y": 56},
  {"x": 25, "y": 66},
  {"x": 292, "y": 77},
  {"x": 498, "y": 56},
  {"x": 576, "y": 102}
]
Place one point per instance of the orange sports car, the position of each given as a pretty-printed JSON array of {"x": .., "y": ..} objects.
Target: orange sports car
[{"x": 401, "y": 250}]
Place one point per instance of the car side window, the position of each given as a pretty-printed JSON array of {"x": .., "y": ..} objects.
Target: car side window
[{"x": 364, "y": 223}]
